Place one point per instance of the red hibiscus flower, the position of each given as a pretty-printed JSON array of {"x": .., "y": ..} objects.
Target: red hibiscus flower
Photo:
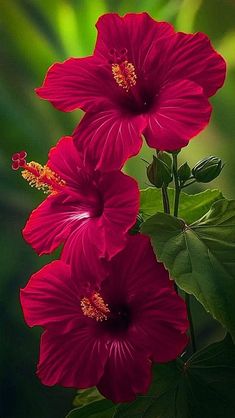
[
  {"x": 107, "y": 339},
  {"x": 143, "y": 78},
  {"x": 91, "y": 211}
]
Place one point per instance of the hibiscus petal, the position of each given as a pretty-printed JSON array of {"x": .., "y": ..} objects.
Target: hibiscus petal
[
  {"x": 51, "y": 299},
  {"x": 51, "y": 222},
  {"x": 161, "y": 319},
  {"x": 134, "y": 32},
  {"x": 158, "y": 317},
  {"x": 181, "y": 112},
  {"x": 65, "y": 160},
  {"x": 138, "y": 264},
  {"x": 74, "y": 360},
  {"x": 127, "y": 373},
  {"x": 192, "y": 57},
  {"x": 107, "y": 234},
  {"x": 109, "y": 138},
  {"x": 81, "y": 252},
  {"x": 103, "y": 237},
  {"x": 77, "y": 83},
  {"x": 121, "y": 205}
]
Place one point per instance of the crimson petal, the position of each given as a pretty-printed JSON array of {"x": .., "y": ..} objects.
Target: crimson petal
[
  {"x": 127, "y": 372},
  {"x": 108, "y": 232},
  {"x": 84, "y": 257},
  {"x": 138, "y": 263},
  {"x": 109, "y": 138},
  {"x": 76, "y": 359},
  {"x": 51, "y": 222},
  {"x": 192, "y": 57},
  {"x": 158, "y": 314},
  {"x": 135, "y": 32},
  {"x": 162, "y": 323},
  {"x": 77, "y": 83},
  {"x": 103, "y": 237},
  {"x": 181, "y": 111},
  {"x": 121, "y": 205},
  {"x": 65, "y": 160},
  {"x": 51, "y": 299}
]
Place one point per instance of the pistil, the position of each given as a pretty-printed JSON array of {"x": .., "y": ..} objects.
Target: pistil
[
  {"x": 123, "y": 71},
  {"x": 41, "y": 177},
  {"x": 94, "y": 307},
  {"x": 124, "y": 74}
]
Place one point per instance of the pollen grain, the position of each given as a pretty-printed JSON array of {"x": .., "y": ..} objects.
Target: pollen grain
[
  {"x": 124, "y": 74},
  {"x": 42, "y": 177},
  {"x": 94, "y": 307}
]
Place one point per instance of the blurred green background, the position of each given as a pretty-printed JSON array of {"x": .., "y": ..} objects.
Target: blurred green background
[{"x": 34, "y": 34}]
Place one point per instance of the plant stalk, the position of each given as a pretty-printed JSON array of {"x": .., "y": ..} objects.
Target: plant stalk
[
  {"x": 188, "y": 184},
  {"x": 177, "y": 193},
  {"x": 176, "y": 210},
  {"x": 177, "y": 184},
  {"x": 187, "y": 301},
  {"x": 165, "y": 199}
]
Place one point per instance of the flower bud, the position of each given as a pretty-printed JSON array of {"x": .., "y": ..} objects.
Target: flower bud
[
  {"x": 184, "y": 172},
  {"x": 159, "y": 173},
  {"x": 207, "y": 169},
  {"x": 166, "y": 158}
]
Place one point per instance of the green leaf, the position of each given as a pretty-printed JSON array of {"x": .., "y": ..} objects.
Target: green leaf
[
  {"x": 192, "y": 207},
  {"x": 98, "y": 409},
  {"x": 202, "y": 387},
  {"x": 200, "y": 257},
  {"x": 86, "y": 396}
]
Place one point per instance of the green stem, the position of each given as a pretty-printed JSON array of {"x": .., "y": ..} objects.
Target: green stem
[
  {"x": 177, "y": 193},
  {"x": 187, "y": 301},
  {"x": 188, "y": 184},
  {"x": 166, "y": 206},
  {"x": 177, "y": 184},
  {"x": 165, "y": 199},
  {"x": 176, "y": 209}
]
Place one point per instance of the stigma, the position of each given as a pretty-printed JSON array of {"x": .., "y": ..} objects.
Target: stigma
[
  {"x": 123, "y": 71},
  {"x": 94, "y": 307},
  {"x": 39, "y": 176}
]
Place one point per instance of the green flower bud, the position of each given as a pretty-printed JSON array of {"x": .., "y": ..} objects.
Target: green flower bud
[
  {"x": 184, "y": 172},
  {"x": 158, "y": 173},
  {"x": 207, "y": 169},
  {"x": 166, "y": 158}
]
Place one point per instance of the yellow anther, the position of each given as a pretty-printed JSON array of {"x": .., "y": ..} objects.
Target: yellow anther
[
  {"x": 42, "y": 177},
  {"x": 124, "y": 74},
  {"x": 94, "y": 307}
]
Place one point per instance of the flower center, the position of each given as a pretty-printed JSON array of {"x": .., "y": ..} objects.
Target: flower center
[
  {"x": 41, "y": 177},
  {"x": 124, "y": 74},
  {"x": 115, "y": 318},
  {"x": 119, "y": 319},
  {"x": 123, "y": 71},
  {"x": 94, "y": 307}
]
